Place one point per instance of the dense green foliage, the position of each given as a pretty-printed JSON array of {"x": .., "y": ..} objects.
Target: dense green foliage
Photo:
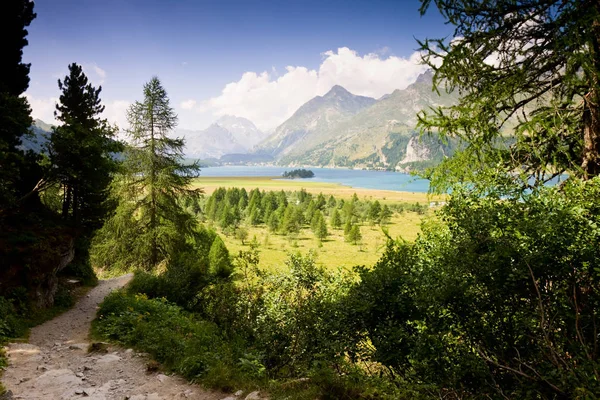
[
  {"x": 15, "y": 166},
  {"x": 286, "y": 213},
  {"x": 149, "y": 222},
  {"x": 525, "y": 69},
  {"x": 82, "y": 151},
  {"x": 500, "y": 298},
  {"x": 298, "y": 173}
]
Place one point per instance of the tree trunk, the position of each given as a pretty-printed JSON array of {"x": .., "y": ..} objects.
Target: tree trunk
[
  {"x": 75, "y": 204},
  {"x": 154, "y": 249},
  {"x": 66, "y": 206},
  {"x": 591, "y": 103}
]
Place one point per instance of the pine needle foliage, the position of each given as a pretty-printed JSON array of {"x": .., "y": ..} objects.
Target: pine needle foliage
[{"x": 150, "y": 222}]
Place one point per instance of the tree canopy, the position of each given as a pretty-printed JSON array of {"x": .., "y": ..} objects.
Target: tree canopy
[
  {"x": 82, "y": 150},
  {"x": 528, "y": 75},
  {"x": 15, "y": 118},
  {"x": 150, "y": 221}
]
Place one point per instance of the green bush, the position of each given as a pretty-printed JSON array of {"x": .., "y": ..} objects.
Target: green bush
[
  {"x": 183, "y": 343},
  {"x": 499, "y": 299}
]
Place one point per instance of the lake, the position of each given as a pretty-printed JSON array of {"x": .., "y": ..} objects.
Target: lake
[{"x": 383, "y": 180}]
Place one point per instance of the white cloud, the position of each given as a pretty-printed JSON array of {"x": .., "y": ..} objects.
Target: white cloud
[
  {"x": 43, "y": 108},
  {"x": 268, "y": 99},
  {"x": 94, "y": 73},
  {"x": 116, "y": 113},
  {"x": 188, "y": 104}
]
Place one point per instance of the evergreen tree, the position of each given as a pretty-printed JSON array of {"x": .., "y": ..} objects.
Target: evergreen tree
[
  {"x": 273, "y": 222},
  {"x": 321, "y": 228},
  {"x": 527, "y": 69},
  {"x": 81, "y": 151},
  {"x": 386, "y": 215},
  {"x": 354, "y": 236},
  {"x": 149, "y": 222},
  {"x": 347, "y": 227},
  {"x": 290, "y": 222},
  {"x": 331, "y": 202},
  {"x": 335, "y": 221},
  {"x": 15, "y": 119},
  {"x": 218, "y": 259},
  {"x": 374, "y": 214}
]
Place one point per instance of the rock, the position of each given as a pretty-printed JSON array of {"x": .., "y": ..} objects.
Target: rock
[
  {"x": 128, "y": 351},
  {"x": 238, "y": 393},
  {"x": 230, "y": 398},
  {"x": 79, "y": 375},
  {"x": 161, "y": 377},
  {"x": 78, "y": 391},
  {"x": 42, "y": 368},
  {"x": 253, "y": 396},
  {"x": 79, "y": 346},
  {"x": 87, "y": 368},
  {"x": 137, "y": 397},
  {"x": 109, "y": 358},
  {"x": 153, "y": 396}
]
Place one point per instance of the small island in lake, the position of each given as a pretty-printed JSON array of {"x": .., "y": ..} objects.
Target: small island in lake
[{"x": 298, "y": 173}]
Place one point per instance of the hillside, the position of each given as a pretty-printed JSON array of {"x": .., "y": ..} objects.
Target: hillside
[
  {"x": 380, "y": 136},
  {"x": 313, "y": 122}
]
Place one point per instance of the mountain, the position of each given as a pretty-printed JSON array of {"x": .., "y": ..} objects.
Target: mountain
[
  {"x": 381, "y": 135},
  {"x": 310, "y": 124},
  {"x": 40, "y": 131},
  {"x": 228, "y": 134}
]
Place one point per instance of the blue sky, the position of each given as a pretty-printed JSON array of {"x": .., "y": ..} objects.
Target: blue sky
[{"x": 226, "y": 57}]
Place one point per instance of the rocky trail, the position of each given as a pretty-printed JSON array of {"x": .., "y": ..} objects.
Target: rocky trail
[{"x": 55, "y": 364}]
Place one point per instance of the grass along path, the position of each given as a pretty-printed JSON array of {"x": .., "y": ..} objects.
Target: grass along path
[{"x": 56, "y": 364}]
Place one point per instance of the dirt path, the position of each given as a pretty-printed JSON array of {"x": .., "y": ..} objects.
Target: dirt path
[{"x": 56, "y": 364}]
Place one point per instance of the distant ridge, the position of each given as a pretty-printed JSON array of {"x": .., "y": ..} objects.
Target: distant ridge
[{"x": 229, "y": 134}]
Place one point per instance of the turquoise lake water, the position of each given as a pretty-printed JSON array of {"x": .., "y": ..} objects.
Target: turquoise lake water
[{"x": 383, "y": 180}]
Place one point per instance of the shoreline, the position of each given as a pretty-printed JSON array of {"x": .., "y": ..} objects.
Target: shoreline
[{"x": 274, "y": 183}]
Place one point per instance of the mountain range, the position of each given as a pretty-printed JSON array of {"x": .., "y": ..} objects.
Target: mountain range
[
  {"x": 342, "y": 129},
  {"x": 227, "y": 135},
  {"x": 338, "y": 129}
]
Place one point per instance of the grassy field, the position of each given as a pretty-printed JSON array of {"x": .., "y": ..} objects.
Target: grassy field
[
  {"x": 210, "y": 184},
  {"x": 334, "y": 252}
]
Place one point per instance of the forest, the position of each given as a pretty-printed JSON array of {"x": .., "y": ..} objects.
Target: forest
[{"x": 497, "y": 297}]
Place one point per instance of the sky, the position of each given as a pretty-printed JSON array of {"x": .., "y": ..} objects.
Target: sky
[{"x": 256, "y": 59}]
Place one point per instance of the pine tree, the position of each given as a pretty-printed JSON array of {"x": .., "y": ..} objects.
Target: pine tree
[
  {"x": 149, "y": 222},
  {"x": 81, "y": 151},
  {"x": 15, "y": 119}
]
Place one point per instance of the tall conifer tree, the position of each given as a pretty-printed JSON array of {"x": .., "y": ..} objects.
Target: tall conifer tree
[
  {"x": 81, "y": 151},
  {"x": 150, "y": 220},
  {"x": 15, "y": 119}
]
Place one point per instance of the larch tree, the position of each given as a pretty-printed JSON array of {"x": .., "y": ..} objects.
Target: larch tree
[
  {"x": 150, "y": 221},
  {"x": 528, "y": 75}
]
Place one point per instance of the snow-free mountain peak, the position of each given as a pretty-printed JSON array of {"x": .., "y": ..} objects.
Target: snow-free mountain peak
[
  {"x": 228, "y": 134},
  {"x": 305, "y": 128}
]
